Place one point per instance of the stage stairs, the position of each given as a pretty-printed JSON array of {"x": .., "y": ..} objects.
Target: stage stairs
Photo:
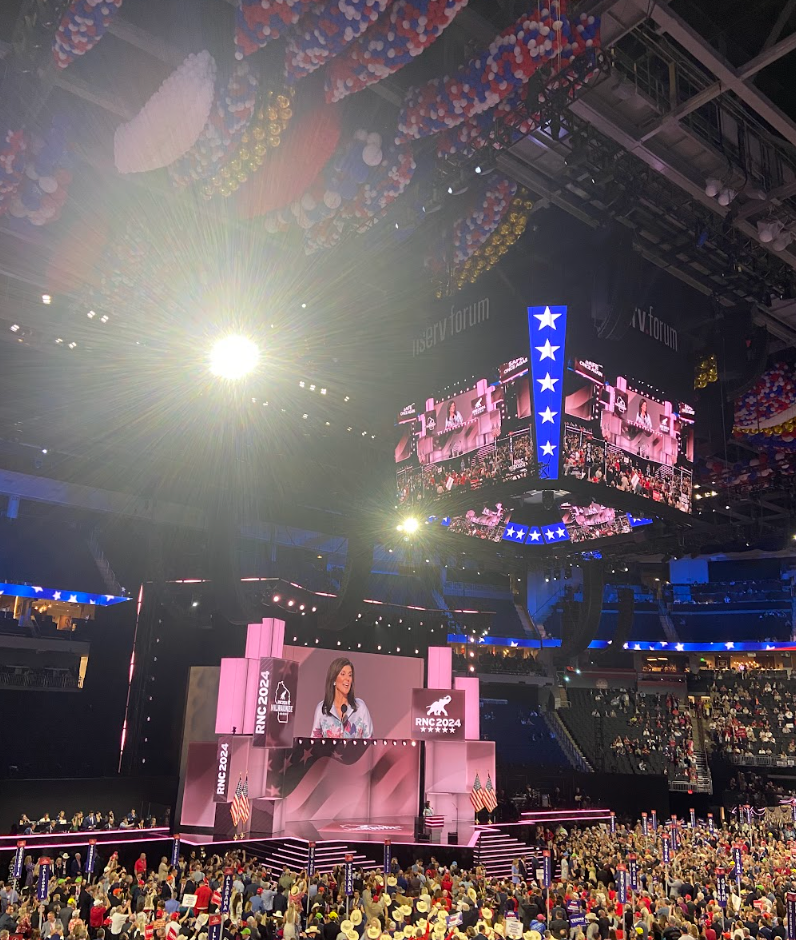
[
  {"x": 496, "y": 850},
  {"x": 278, "y": 853}
]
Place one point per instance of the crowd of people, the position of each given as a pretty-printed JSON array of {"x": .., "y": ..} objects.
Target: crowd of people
[
  {"x": 586, "y": 458},
  {"x": 753, "y": 715},
  {"x": 428, "y": 900},
  {"x": 657, "y": 725},
  {"x": 757, "y": 790},
  {"x": 82, "y": 822},
  {"x": 508, "y": 458}
]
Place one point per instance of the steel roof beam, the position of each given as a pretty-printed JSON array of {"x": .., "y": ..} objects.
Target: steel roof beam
[{"x": 730, "y": 78}]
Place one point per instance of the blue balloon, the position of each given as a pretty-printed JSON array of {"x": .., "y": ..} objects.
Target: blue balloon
[
  {"x": 31, "y": 197},
  {"x": 348, "y": 188}
]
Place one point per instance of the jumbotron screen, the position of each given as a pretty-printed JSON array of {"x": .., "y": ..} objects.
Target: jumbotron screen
[
  {"x": 624, "y": 435},
  {"x": 546, "y": 416},
  {"x": 468, "y": 437}
]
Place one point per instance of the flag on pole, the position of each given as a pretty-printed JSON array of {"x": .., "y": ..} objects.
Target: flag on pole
[
  {"x": 490, "y": 800},
  {"x": 246, "y": 806},
  {"x": 476, "y": 794},
  {"x": 240, "y": 809}
]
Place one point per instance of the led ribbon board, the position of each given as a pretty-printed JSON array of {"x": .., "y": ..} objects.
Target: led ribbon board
[{"x": 547, "y": 329}]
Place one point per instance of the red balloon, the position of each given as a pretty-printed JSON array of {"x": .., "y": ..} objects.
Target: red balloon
[{"x": 289, "y": 171}]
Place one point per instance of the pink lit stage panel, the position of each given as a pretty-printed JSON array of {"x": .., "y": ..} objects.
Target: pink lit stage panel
[{"x": 324, "y": 782}]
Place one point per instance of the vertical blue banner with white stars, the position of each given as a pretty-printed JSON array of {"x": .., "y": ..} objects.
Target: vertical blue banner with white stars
[{"x": 547, "y": 327}]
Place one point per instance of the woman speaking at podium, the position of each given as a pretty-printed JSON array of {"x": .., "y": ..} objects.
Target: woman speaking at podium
[{"x": 341, "y": 714}]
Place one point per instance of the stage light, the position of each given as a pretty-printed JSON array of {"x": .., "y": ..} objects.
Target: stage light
[
  {"x": 15, "y": 328},
  {"x": 233, "y": 357},
  {"x": 409, "y": 526},
  {"x": 478, "y": 170},
  {"x": 712, "y": 187},
  {"x": 314, "y": 609},
  {"x": 303, "y": 306},
  {"x": 46, "y": 299},
  {"x": 104, "y": 318},
  {"x": 276, "y": 598},
  {"x": 290, "y": 603}
]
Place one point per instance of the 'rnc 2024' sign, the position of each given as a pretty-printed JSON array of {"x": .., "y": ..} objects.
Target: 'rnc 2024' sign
[
  {"x": 438, "y": 714},
  {"x": 275, "y": 709}
]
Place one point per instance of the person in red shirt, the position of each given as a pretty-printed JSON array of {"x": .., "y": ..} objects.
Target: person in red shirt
[
  {"x": 97, "y": 914},
  {"x": 203, "y": 896},
  {"x": 140, "y": 864}
]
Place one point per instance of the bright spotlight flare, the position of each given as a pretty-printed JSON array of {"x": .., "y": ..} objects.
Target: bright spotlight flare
[
  {"x": 409, "y": 526},
  {"x": 233, "y": 357}
]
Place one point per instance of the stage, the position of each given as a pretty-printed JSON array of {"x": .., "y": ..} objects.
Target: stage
[{"x": 266, "y": 724}]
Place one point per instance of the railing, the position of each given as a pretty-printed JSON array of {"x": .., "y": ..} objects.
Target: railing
[
  {"x": 760, "y": 760},
  {"x": 38, "y": 680},
  {"x": 568, "y": 744}
]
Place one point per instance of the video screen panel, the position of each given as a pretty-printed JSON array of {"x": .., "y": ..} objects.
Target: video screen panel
[
  {"x": 627, "y": 437},
  {"x": 487, "y": 523},
  {"x": 476, "y": 437},
  {"x": 379, "y": 699},
  {"x": 596, "y": 521}
]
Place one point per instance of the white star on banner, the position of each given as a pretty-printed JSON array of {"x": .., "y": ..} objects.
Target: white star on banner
[
  {"x": 561, "y": 532},
  {"x": 547, "y": 319},
  {"x": 730, "y": 646},
  {"x": 679, "y": 647},
  {"x": 73, "y": 598},
  {"x": 548, "y": 448},
  {"x": 547, "y": 415},
  {"x": 56, "y": 595},
  {"x": 547, "y": 351},
  {"x": 38, "y": 590},
  {"x": 510, "y": 532},
  {"x": 547, "y": 384},
  {"x": 535, "y": 536}
]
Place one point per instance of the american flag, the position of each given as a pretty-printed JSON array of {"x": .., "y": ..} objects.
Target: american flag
[
  {"x": 240, "y": 810},
  {"x": 476, "y": 794},
  {"x": 489, "y": 798}
]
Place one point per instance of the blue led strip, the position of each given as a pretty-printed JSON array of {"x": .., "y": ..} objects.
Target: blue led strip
[
  {"x": 55, "y": 594},
  {"x": 644, "y": 646},
  {"x": 557, "y": 532},
  {"x": 515, "y": 533},
  {"x": 547, "y": 329},
  {"x": 534, "y": 536}
]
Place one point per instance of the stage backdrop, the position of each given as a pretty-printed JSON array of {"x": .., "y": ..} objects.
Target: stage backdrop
[{"x": 383, "y": 683}]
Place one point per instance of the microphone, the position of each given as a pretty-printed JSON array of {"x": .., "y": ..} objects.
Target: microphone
[{"x": 343, "y": 710}]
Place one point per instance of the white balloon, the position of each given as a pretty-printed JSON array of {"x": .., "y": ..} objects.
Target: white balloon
[
  {"x": 48, "y": 184},
  {"x": 372, "y": 155},
  {"x": 171, "y": 121}
]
